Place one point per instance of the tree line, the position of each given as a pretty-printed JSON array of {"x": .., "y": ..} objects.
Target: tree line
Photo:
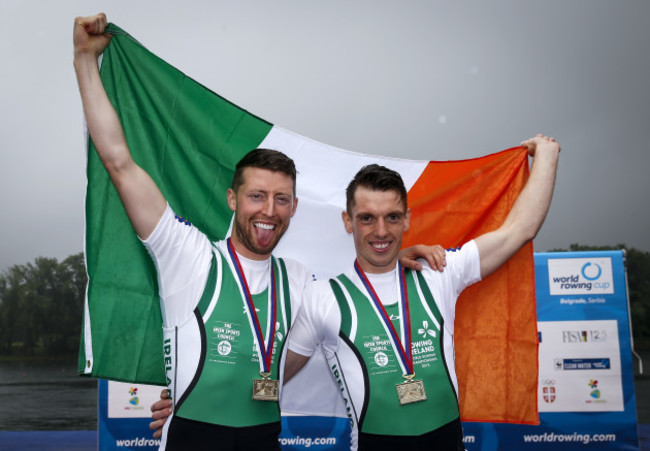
[
  {"x": 41, "y": 306},
  {"x": 41, "y": 303}
]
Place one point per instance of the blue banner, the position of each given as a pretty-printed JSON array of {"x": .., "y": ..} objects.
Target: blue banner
[
  {"x": 320, "y": 433},
  {"x": 124, "y": 416},
  {"x": 586, "y": 376}
]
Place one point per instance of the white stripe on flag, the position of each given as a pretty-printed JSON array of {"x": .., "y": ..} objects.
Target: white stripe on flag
[{"x": 317, "y": 237}]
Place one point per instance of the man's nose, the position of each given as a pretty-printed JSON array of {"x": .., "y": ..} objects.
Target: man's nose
[
  {"x": 269, "y": 207},
  {"x": 380, "y": 228}
]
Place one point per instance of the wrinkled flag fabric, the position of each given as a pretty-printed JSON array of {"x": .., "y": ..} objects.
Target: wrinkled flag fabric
[{"x": 189, "y": 139}]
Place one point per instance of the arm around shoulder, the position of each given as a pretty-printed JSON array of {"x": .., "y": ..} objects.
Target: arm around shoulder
[{"x": 529, "y": 211}]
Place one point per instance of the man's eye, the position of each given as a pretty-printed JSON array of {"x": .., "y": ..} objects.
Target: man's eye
[
  {"x": 283, "y": 200},
  {"x": 393, "y": 219}
]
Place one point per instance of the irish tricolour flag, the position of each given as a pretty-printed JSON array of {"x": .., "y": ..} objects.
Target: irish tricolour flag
[{"x": 189, "y": 139}]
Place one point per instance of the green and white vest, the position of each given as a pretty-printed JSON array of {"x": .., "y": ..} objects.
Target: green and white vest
[
  {"x": 220, "y": 391},
  {"x": 364, "y": 333}
]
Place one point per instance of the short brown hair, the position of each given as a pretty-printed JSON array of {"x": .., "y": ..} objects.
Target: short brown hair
[
  {"x": 272, "y": 160},
  {"x": 376, "y": 178}
]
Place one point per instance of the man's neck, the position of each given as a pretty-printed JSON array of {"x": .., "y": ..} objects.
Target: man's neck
[{"x": 373, "y": 269}]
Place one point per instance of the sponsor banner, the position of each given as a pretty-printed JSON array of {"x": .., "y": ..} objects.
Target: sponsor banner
[
  {"x": 569, "y": 436},
  {"x": 319, "y": 433},
  {"x": 124, "y": 416},
  {"x": 127, "y": 400},
  {"x": 582, "y": 364},
  {"x": 586, "y": 378},
  {"x": 579, "y": 366},
  {"x": 580, "y": 276}
]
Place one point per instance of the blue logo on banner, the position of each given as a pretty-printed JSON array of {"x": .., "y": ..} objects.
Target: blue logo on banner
[
  {"x": 586, "y": 364},
  {"x": 585, "y": 268}
]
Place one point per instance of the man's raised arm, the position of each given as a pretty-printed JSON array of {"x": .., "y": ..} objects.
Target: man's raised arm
[
  {"x": 529, "y": 211},
  {"x": 143, "y": 201}
]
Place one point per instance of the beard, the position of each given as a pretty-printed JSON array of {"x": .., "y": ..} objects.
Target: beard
[{"x": 247, "y": 235}]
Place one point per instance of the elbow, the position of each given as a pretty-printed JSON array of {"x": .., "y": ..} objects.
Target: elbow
[
  {"x": 518, "y": 238},
  {"x": 113, "y": 167},
  {"x": 526, "y": 231},
  {"x": 518, "y": 235},
  {"x": 529, "y": 236},
  {"x": 117, "y": 165}
]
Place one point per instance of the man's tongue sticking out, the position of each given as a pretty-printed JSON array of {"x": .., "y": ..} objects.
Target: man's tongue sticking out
[{"x": 264, "y": 232}]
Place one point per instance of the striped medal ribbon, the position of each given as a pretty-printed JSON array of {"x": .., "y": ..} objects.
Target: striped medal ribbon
[
  {"x": 411, "y": 390},
  {"x": 264, "y": 389}
]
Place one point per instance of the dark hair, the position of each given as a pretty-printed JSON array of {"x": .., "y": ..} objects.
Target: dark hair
[
  {"x": 376, "y": 178},
  {"x": 272, "y": 160}
]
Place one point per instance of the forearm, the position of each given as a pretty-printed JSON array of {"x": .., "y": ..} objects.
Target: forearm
[
  {"x": 531, "y": 207},
  {"x": 528, "y": 212},
  {"x": 293, "y": 364}
]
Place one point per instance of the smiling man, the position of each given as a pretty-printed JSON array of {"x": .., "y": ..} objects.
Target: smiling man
[
  {"x": 259, "y": 224},
  {"x": 387, "y": 332},
  {"x": 227, "y": 306}
]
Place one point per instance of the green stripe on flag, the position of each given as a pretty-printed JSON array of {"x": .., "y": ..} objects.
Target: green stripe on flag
[{"x": 189, "y": 140}]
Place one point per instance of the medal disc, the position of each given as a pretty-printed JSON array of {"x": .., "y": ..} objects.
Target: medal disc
[{"x": 411, "y": 391}]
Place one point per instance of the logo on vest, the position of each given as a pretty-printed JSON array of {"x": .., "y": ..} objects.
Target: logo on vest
[
  {"x": 424, "y": 351},
  {"x": 378, "y": 352},
  {"x": 224, "y": 347},
  {"x": 223, "y": 340},
  {"x": 424, "y": 331},
  {"x": 226, "y": 331},
  {"x": 381, "y": 359}
]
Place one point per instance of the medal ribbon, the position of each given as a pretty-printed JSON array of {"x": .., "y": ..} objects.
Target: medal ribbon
[
  {"x": 403, "y": 351},
  {"x": 265, "y": 352}
]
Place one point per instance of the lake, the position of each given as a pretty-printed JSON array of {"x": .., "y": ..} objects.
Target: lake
[{"x": 46, "y": 396}]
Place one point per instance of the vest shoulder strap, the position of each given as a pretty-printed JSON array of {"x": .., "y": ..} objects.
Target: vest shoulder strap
[
  {"x": 285, "y": 286},
  {"x": 344, "y": 307},
  {"x": 210, "y": 285}
]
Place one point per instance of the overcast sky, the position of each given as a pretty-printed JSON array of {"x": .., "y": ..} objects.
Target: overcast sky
[{"x": 420, "y": 79}]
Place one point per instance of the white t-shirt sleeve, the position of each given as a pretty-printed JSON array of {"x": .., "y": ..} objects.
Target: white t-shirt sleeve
[
  {"x": 318, "y": 321},
  {"x": 182, "y": 255},
  {"x": 299, "y": 279},
  {"x": 463, "y": 269}
]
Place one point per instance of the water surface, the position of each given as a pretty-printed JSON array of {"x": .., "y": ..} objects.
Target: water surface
[{"x": 46, "y": 396}]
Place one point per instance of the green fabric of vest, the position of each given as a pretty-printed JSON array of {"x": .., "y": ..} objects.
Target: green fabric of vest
[
  {"x": 384, "y": 415},
  {"x": 221, "y": 392}
]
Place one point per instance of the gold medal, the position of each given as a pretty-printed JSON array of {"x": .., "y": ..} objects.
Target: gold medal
[
  {"x": 411, "y": 391},
  {"x": 266, "y": 389}
]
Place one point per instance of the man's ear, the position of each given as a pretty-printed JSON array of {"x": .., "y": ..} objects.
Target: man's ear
[
  {"x": 232, "y": 199},
  {"x": 407, "y": 219},
  {"x": 347, "y": 221},
  {"x": 295, "y": 205}
]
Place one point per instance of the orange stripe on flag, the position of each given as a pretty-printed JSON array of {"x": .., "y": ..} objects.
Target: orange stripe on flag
[{"x": 496, "y": 324}]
